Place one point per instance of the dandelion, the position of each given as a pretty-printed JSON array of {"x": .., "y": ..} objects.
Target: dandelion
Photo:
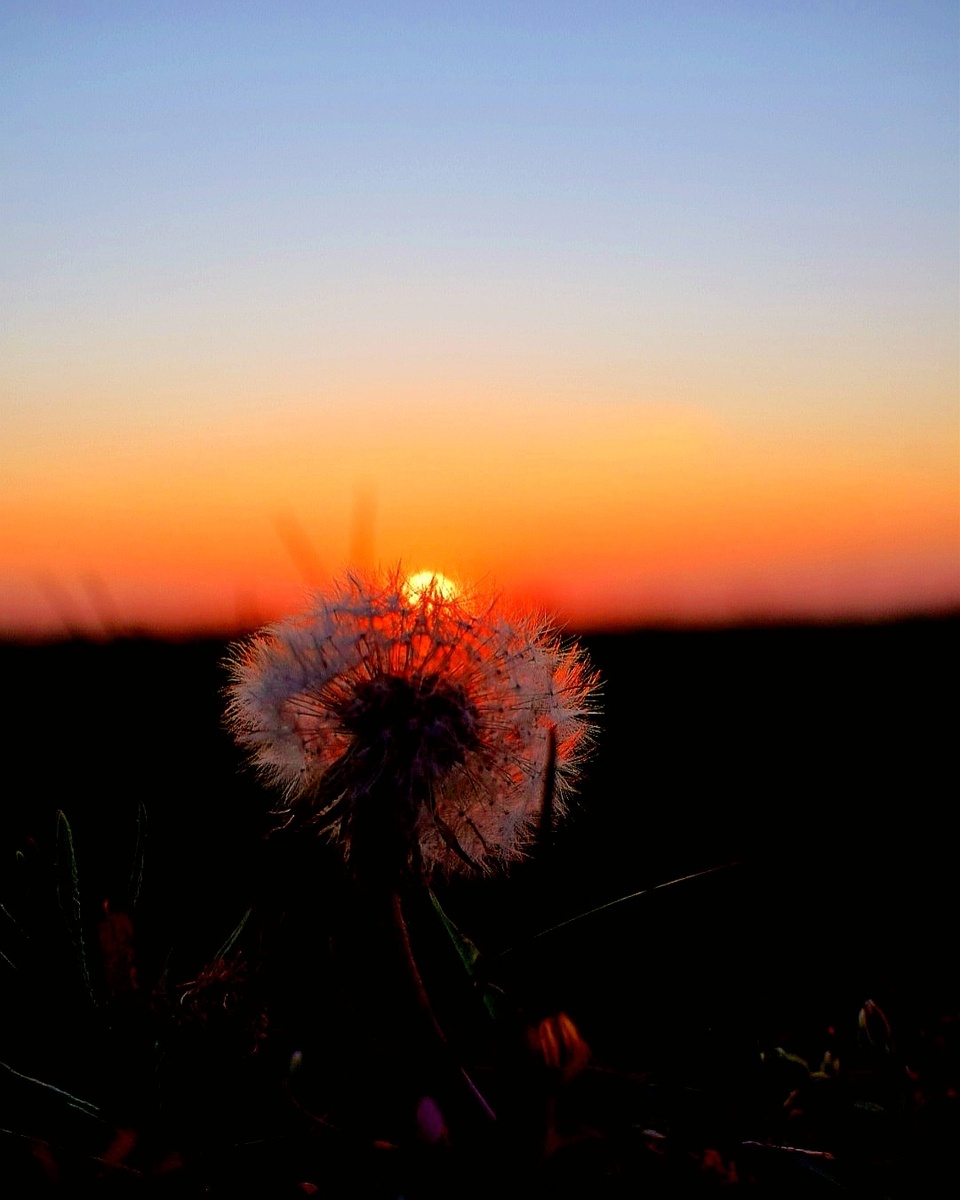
[{"x": 421, "y": 728}]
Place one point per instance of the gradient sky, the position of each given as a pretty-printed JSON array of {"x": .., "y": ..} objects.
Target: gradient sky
[{"x": 644, "y": 311}]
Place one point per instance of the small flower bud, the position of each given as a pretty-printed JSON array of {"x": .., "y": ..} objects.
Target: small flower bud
[{"x": 558, "y": 1042}]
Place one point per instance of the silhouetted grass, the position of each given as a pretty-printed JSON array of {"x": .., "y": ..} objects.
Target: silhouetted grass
[{"x": 195, "y": 1007}]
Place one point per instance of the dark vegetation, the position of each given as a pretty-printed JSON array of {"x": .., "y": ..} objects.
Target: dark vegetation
[{"x": 192, "y": 1007}]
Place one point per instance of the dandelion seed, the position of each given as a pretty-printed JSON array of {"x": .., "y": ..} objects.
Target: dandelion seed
[{"x": 415, "y": 724}]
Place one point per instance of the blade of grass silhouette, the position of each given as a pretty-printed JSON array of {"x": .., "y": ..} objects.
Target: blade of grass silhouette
[
  {"x": 815, "y": 1161},
  {"x": 136, "y": 871},
  {"x": 68, "y": 896},
  {"x": 19, "y": 930},
  {"x": 610, "y": 904},
  {"x": 231, "y": 940},
  {"x": 824, "y": 1154},
  {"x": 13, "y": 921},
  {"x": 84, "y": 1106}
]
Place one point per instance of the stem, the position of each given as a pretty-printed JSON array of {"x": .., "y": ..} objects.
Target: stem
[{"x": 423, "y": 998}]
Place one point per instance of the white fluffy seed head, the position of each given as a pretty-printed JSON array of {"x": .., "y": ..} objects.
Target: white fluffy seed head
[{"x": 465, "y": 711}]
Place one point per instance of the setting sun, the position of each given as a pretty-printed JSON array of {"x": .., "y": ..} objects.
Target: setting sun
[{"x": 429, "y": 585}]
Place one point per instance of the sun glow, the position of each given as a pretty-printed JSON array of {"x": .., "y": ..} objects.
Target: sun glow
[{"x": 429, "y": 585}]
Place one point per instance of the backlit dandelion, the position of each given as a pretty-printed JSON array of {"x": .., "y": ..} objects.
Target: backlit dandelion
[{"x": 419, "y": 726}]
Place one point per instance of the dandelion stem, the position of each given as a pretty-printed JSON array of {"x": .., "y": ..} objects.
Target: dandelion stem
[{"x": 423, "y": 998}]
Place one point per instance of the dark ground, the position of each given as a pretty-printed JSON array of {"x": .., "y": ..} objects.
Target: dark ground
[{"x": 815, "y": 766}]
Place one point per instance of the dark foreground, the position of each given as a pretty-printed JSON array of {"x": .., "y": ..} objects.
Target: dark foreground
[{"x": 194, "y": 1008}]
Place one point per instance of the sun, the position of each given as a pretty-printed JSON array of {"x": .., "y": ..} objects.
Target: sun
[{"x": 429, "y": 585}]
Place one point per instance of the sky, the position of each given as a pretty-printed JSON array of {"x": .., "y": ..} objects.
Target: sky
[{"x": 640, "y": 312}]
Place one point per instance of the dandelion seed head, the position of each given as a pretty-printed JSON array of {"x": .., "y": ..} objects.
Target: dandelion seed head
[{"x": 404, "y": 709}]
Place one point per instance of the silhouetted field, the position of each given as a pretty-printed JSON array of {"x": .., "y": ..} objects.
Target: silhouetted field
[{"x": 805, "y": 775}]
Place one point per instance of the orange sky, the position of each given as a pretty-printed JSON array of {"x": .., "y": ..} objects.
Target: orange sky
[
  {"x": 604, "y": 511},
  {"x": 640, "y": 312}
]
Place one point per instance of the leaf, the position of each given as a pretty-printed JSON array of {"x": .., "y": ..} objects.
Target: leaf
[
  {"x": 816, "y": 1162},
  {"x": 68, "y": 896},
  {"x": 467, "y": 950},
  {"x": 468, "y": 954},
  {"x": 784, "y": 1056}
]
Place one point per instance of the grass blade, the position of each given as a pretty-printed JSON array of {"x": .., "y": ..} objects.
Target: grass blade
[
  {"x": 231, "y": 940},
  {"x": 84, "y": 1106},
  {"x": 136, "y": 871},
  {"x": 602, "y": 908},
  {"x": 19, "y": 929},
  {"x": 68, "y": 896}
]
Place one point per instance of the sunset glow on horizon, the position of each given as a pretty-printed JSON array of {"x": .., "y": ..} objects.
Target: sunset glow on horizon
[
  {"x": 429, "y": 586},
  {"x": 637, "y": 315}
]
